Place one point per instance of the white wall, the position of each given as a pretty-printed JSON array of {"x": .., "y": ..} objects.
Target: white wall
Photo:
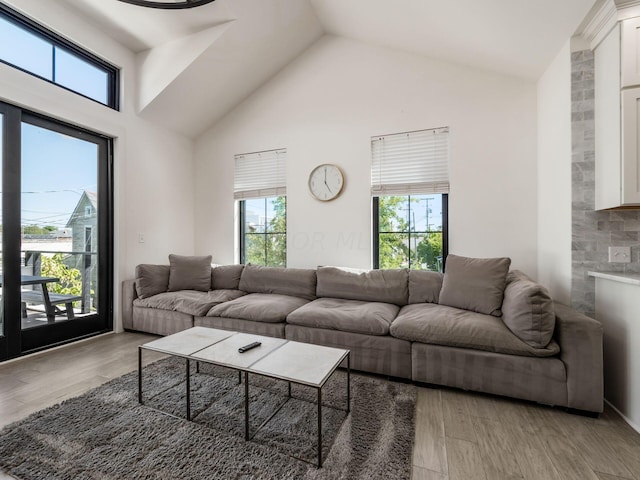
[
  {"x": 153, "y": 167},
  {"x": 326, "y": 106},
  {"x": 554, "y": 177}
]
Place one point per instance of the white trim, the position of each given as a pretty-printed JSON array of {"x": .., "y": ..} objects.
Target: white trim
[
  {"x": 624, "y": 417},
  {"x": 599, "y": 23}
]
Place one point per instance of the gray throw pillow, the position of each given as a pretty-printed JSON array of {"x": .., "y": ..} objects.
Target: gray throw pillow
[
  {"x": 226, "y": 277},
  {"x": 527, "y": 310},
  {"x": 189, "y": 273},
  {"x": 151, "y": 279},
  {"x": 475, "y": 284}
]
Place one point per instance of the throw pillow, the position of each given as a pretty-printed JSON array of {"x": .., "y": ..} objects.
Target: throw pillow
[
  {"x": 527, "y": 310},
  {"x": 189, "y": 273},
  {"x": 151, "y": 280},
  {"x": 226, "y": 277},
  {"x": 475, "y": 284}
]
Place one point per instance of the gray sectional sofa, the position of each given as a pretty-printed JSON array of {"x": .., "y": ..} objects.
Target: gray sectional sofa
[{"x": 478, "y": 327}]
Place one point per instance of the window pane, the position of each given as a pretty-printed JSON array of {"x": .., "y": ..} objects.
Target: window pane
[
  {"x": 426, "y": 251},
  {"x": 25, "y": 50},
  {"x": 394, "y": 250},
  {"x": 82, "y": 77},
  {"x": 426, "y": 213},
  {"x": 276, "y": 221},
  {"x": 1, "y": 293},
  {"x": 393, "y": 214},
  {"x": 254, "y": 249},
  {"x": 277, "y": 250},
  {"x": 254, "y": 217}
]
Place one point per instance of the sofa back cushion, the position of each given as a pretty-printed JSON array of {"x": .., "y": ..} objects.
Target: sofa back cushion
[
  {"x": 475, "y": 284},
  {"x": 296, "y": 282},
  {"x": 424, "y": 286},
  {"x": 151, "y": 279},
  {"x": 387, "y": 286},
  {"x": 527, "y": 310},
  {"x": 226, "y": 277},
  {"x": 189, "y": 273}
]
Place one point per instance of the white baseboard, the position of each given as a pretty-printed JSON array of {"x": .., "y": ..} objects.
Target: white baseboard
[{"x": 629, "y": 422}]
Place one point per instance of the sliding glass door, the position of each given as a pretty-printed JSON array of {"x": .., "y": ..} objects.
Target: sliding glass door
[{"x": 56, "y": 233}]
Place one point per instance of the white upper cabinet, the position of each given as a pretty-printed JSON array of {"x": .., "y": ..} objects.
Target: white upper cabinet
[
  {"x": 617, "y": 110},
  {"x": 630, "y": 52}
]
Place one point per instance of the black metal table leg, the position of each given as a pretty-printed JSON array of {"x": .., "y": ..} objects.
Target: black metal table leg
[
  {"x": 188, "y": 391},
  {"x": 139, "y": 374},
  {"x": 319, "y": 427},
  {"x": 289, "y": 389},
  {"x": 246, "y": 405},
  {"x": 348, "y": 382}
]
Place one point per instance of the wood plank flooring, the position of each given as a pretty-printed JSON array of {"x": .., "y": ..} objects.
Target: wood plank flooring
[{"x": 459, "y": 435}]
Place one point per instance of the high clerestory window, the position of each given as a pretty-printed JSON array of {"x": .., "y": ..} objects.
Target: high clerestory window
[
  {"x": 410, "y": 186},
  {"x": 30, "y": 47},
  {"x": 260, "y": 188}
]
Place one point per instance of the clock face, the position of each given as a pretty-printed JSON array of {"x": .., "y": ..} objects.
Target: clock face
[{"x": 326, "y": 182}]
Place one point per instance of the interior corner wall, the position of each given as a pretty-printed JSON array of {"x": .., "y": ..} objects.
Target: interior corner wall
[
  {"x": 324, "y": 108},
  {"x": 554, "y": 177},
  {"x": 153, "y": 167}
]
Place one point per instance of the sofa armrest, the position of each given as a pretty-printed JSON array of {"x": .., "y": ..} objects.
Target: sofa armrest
[
  {"x": 580, "y": 339},
  {"x": 129, "y": 294}
]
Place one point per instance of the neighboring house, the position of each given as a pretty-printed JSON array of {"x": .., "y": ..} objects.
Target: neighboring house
[{"x": 83, "y": 222}]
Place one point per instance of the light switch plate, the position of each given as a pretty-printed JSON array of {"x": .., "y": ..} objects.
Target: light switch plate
[{"x": 619, "y": 254}]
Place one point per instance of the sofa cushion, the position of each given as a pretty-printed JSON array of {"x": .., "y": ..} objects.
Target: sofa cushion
[
  {"x": 442, "y": 325},
  {"x": 151, "y": 279},
  {"x": 527, "y": 310},
  {"x": 259, "y": 307},
  {"x": 296, "y": 282},
  {"x": 387, "y": 286},
  {"x": 475, "y": 284},
  {"x": 189, "y": 273},
  {"x": 191, "y": 302},
  {"x": 372, "y": 318},
  {"x": 424, "y": 286},
  {"x": 226, "y": 277}
]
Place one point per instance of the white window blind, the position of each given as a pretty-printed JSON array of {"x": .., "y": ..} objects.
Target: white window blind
[
  {"x": 410, "y": 163},
  {"x": 260, "y": 174}
]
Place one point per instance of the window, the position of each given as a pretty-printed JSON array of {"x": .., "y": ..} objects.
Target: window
[
  {"x": 30, "y": 47},
  {"x": 410, "y": 185},
  {"x": 263, "y": 236},
  {"x": 87, "y": 211},
  {"x": 260, "y": 189}
]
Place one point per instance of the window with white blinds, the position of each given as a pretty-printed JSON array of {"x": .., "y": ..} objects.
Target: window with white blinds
[
  {"x": 410, "y": 163},
  {"x": 260, "y": 174}
]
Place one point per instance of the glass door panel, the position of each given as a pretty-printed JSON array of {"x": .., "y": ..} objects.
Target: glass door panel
[
  {"x": 1, "y": 293},
  {"x": 59, "y": 222}
]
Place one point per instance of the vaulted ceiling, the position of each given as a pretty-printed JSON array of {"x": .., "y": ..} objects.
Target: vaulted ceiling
[{"x": 198, "y": 64}]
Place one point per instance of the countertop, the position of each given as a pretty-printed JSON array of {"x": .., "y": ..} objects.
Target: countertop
[{"x": 630, "y": 278}]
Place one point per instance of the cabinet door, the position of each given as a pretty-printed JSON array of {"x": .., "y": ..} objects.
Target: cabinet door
[
  {"x": 631, "y": 52},
  {"x": 630, "y": 194}
]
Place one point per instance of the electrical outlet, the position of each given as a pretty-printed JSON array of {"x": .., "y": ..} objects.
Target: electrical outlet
[{"x": 619, "y": 254}]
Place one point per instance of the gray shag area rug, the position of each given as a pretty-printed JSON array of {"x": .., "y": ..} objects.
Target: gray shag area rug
[{"x": 106, "y": 434}]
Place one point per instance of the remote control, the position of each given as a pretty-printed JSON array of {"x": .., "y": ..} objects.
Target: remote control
[{"x": 249, "y": 347}]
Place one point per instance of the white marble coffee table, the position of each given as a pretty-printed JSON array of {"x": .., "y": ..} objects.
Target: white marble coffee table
[{"x": 293, "y": 362}]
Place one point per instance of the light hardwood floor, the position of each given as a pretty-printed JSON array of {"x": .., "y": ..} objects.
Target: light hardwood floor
[{"x": 459, "y": 435}]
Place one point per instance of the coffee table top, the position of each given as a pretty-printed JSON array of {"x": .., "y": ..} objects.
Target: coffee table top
[
  {"x": 303, "y": 363},
  {"x": 188, "y": 342}
]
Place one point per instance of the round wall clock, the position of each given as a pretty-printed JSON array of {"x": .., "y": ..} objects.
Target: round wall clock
[{"x": 326, "y": 182}]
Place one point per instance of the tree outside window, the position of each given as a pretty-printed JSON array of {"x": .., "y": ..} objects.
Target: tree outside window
[
  {"x": 410, "y": 231},
  {"x": 263, "y": 231}
]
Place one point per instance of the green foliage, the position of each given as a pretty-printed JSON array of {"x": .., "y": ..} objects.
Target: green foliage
[
  {"x": 270, "y": 247},
  {"x": 70, "y": 278},
  {"x": 404, "y": 247},
  {"x": 36, "y": 230}
]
